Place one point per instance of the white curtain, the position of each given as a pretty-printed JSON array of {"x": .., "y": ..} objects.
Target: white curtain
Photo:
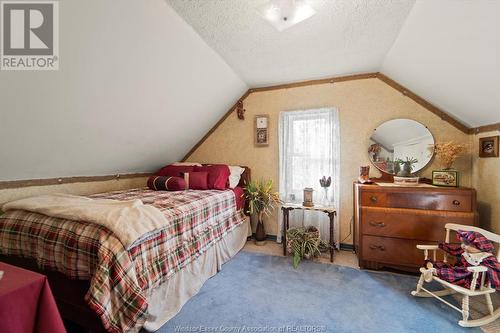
[{"x": 309, "y": 148}]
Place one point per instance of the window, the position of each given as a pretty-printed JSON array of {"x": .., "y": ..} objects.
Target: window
[{"x": 309, "y": 148}]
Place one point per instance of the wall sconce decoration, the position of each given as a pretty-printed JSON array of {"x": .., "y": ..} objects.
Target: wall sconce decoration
[
  {"x": 240, "y": 111},
  {"x": 261, "y": 130},
  {"x": 308, "y": 197}
]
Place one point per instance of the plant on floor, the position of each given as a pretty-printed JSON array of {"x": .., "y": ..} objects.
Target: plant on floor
[
  {"x": 304, "y": 243},
  {"x": 261, "y": 200}
]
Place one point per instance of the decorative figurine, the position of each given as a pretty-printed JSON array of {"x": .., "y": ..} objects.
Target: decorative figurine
[
  {"x": 364, "y": 175},
  {"x": 240, "y": 111},
  {"x": 475, "y": 250}
]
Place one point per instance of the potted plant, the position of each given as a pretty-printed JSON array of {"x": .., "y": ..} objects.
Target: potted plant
[
  {"x": 261, "y": 200},
  {"x": 304, "y": 243},
  {"x": 325, "y": 184},
  {"x": 448, "y": 152},
  {"x": 407, "y": 166}
]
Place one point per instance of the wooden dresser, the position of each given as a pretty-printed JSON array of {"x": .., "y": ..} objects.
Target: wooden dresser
[{"x": 391, "y": 220}]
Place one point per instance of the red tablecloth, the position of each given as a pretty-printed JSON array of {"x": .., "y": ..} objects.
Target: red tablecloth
[{"x": 26, "y": 303}]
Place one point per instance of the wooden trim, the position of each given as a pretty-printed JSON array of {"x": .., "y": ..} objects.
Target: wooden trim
[
  {"x": 221, "y": 120},
  {"x": 276, "y": 87},
  {"x": 67, "y": 180},
  {"x": 485, "y": 128},
  {"x": 316, "y": 82},
  {"x": 432, "y": 108}
]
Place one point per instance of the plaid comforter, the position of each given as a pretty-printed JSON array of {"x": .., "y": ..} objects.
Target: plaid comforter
[{"x": 121, "y": 279}]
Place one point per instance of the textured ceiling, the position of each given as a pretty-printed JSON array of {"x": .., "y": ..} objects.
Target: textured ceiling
[
  {"x": 448, "y": 52},
  {"x": 344, "y": 37}
]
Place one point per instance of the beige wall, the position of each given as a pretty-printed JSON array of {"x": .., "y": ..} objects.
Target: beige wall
[
  {"x": 362, "y": 104},
  {"x": 486, "y": 180},
  {"x": 72, "y": 188}
]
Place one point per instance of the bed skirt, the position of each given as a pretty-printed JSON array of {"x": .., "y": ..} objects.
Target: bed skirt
[{"x": 167, "y": 300}]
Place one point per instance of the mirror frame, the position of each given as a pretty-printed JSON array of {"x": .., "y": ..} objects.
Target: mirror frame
[{"x": 385, "y": 174}]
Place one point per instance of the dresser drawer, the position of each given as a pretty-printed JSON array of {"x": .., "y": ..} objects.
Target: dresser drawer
[
  {"x": 373, "y": 199},
  {"x": 391, "y": 251},
  {"x": 452, "y": 201},
  {"x": 455, "y": 202},
  {"x": 410, "y": 223},
  {"x": 458, "y": 202}
]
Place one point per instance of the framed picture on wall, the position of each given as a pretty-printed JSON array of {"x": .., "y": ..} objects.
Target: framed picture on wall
[
  {"x": 488, "y": 146},
  {"x": 261, "y": 130}
]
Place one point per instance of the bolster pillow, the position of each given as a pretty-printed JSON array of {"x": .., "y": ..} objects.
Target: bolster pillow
[{"x": 162, "y": 183}]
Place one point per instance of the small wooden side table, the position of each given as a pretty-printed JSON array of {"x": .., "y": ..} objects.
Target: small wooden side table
[{"x": 329, "y": 210}]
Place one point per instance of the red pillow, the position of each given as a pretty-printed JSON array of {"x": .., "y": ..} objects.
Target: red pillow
[
  {"x": 197, "y": 180},
  {"x": 218, "y": 175},
  {"x": 161, "y": 183},
  {"x": 175, "y": 170}
]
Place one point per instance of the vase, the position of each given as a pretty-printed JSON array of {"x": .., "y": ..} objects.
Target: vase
[
  {"x": 325, "y": 199},
  {"x": 260, "y": 231}
]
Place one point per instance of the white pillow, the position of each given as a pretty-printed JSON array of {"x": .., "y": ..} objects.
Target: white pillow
[{"x": 235, "y": 175}]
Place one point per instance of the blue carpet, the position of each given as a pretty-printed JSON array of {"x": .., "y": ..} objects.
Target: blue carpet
[{"x": 259, "y": 293}]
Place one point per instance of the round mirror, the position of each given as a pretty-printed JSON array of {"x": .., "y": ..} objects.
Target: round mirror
[{"x": 398, "y": 142}]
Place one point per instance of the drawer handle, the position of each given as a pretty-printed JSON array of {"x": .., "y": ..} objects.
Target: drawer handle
[
  {"x": 379, "y": 247},
  {"x": 456, "y": 202},
  {"x": 373, "y": 198},
  {"x": 377, "y": 224}
]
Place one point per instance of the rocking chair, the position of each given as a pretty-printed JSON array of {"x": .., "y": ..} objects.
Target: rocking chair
[{"x": 479, "y": 274}]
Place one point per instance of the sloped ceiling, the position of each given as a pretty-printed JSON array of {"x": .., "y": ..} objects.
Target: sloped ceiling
[
  {"x": 343, "y": 37},
  {"x": 136, "y": 89},
  {"x": 449, "y": 53}
]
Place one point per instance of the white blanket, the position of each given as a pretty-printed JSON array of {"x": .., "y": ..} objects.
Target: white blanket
[{"x": 128, "y": 220}]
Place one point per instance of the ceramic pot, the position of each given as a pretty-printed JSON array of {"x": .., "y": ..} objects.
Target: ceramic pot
[{"x": 260, "y": 232}]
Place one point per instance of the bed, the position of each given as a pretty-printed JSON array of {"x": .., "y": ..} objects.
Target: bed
[{"x": 102, "y": 286}]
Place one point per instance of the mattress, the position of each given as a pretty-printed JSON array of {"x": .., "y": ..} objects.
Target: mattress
[{"x": 120, "y": 280}]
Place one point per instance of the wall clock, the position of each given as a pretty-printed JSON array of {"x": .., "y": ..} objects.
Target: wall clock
[{"x": 261, "y": 130}]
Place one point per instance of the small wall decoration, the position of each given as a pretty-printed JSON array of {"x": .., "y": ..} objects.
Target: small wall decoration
[
  {"x": 445, "y": 178},
  {"x": 240, "y": 111},
  {"x": 488, "y": 146},
  {"x": 261, "y": 130}
]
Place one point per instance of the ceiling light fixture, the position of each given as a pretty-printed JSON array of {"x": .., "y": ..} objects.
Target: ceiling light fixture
[{"x": 282, "y": 14}]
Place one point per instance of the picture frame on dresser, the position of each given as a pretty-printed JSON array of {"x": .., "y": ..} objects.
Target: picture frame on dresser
[{"x": 448, "y": 178}]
